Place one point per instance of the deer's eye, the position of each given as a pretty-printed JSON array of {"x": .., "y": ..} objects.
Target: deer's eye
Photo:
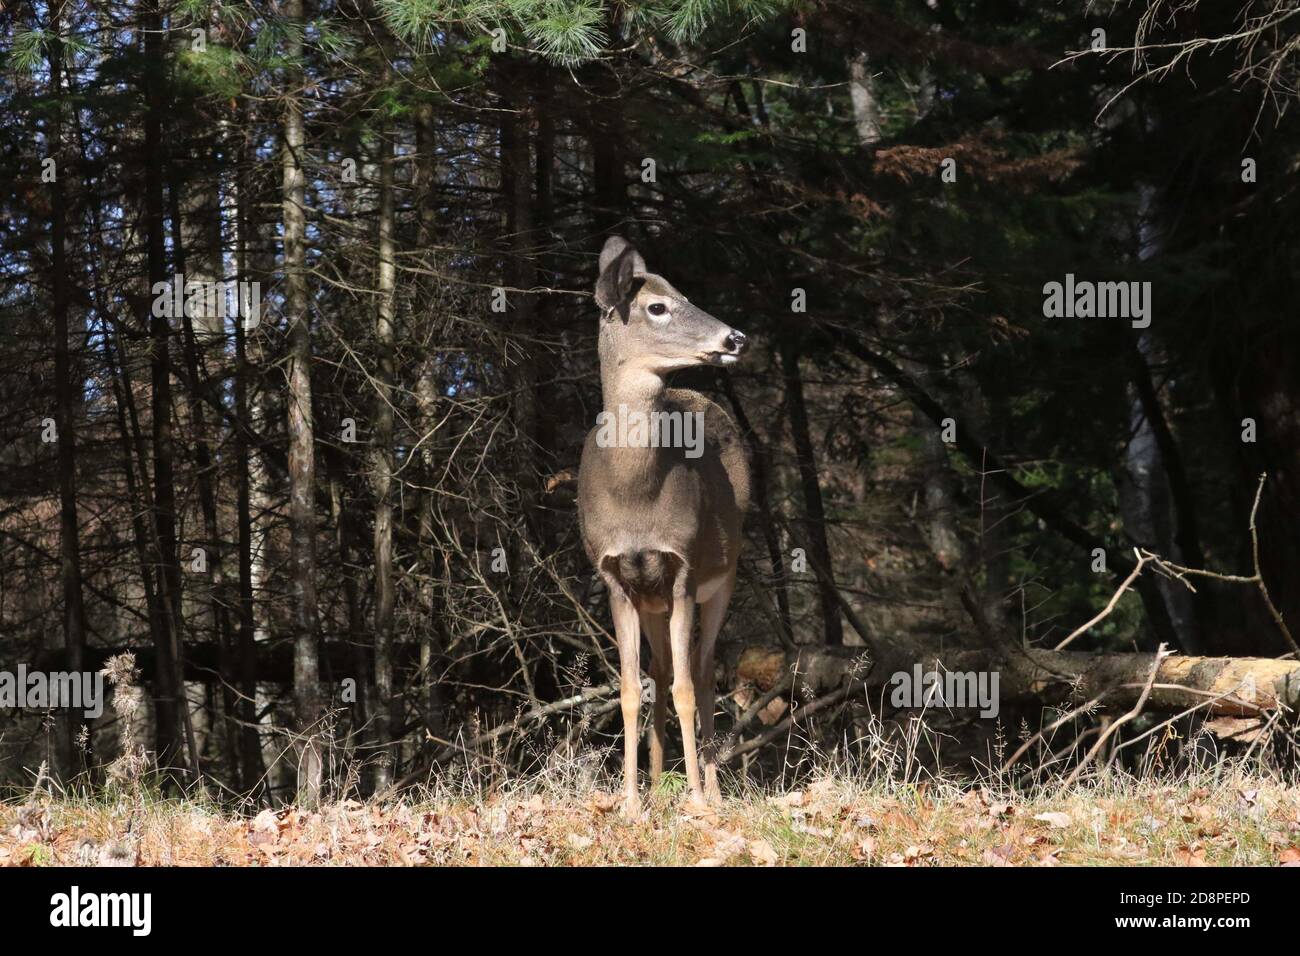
[{"x": 657, "y": 308}]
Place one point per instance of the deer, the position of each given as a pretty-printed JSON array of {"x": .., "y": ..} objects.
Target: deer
[{"x": 662, "y": 523}]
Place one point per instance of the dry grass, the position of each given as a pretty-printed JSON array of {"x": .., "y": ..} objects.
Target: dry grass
[{"x": 1223, "y": 817}]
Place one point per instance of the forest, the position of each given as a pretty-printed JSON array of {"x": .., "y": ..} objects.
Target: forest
[{"x": 299, "y": 332}]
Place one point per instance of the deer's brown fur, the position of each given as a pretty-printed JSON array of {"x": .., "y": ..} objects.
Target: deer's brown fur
[{"x": 662, "y": 527}]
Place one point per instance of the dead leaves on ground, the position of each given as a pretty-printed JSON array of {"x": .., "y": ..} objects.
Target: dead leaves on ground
[
  {"x": 824, "y": 822},
  {"x": 353, "y": 833},
  {"x": 727, "y": 846},
  {"x": 36, "y": 838}
]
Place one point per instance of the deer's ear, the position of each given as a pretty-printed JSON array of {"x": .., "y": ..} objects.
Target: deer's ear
[
  {"x": 614, "y": 285},
  {"x": 616, "y": 246}
]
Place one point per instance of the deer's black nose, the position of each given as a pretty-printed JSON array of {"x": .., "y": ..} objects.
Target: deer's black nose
[{"x": 736, "y": 342}]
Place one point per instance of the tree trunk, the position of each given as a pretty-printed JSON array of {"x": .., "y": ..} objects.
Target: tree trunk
[
  {"x": 761, "y": 463},
  {"x": 1154, "y": 515},
  {"x": 252, "y": 769},
  {"x": 388, "y": 713},
  {"x": 169, "y": 693},
  {"x": 542, "y": 356},
  {"x": 605, "y": 130},
  {"x": 68, "y": 394},
  {"x": 520, "y": 274},
  {"x": 814, "y": 525},
  {"x": 433, "y": 646},
  {"x": 196, "y": 244},
  {"x": 302, "y": 457},
  {"x": 866, "y": 109}
]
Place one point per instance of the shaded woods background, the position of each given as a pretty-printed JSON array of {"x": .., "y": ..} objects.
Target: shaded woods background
[{"x": 375, "y": 482}]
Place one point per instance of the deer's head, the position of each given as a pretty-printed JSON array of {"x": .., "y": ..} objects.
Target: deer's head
[{"x": 647, "y": 325}]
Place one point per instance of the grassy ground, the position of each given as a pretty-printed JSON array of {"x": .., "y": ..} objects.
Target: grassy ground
[{"x": 1225, "y": 818}]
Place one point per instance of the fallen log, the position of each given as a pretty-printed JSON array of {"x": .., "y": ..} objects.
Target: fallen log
[
  {"x": 1232, "y": 686},
  {"x": 1228, "y": 686}
]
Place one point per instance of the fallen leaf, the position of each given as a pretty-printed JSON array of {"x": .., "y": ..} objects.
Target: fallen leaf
[
  {"x": 699, "y": 814},
  {"x": 807, "y": 830},
  {"x": 762, "y": 853},
  {"x": 726, "y": 845},
  {"x": 998, "y": 855},
  {"x": 1193, "y": 855},
  {"x": 915, "y": 853},
  {"x": 1058, "y": 821}
]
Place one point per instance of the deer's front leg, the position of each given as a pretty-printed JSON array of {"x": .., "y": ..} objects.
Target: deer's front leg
[
  {"x": 627, "y": 634},
  {"x": 679, "y": 637},
  {"x": 661, "y": 670}
]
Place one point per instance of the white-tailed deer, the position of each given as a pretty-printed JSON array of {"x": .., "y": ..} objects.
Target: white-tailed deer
[{"x": 661, "y": 498}]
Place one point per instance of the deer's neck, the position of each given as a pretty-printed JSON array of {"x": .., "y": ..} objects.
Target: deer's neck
[
  {"x": 628, "y": 391},
  {"x": 636, "y": 389}
]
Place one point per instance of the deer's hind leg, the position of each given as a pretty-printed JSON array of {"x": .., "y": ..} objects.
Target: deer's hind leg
[
  {"x": 712, "y": 613},
  {"x": 627, "y": 632},
  {"x": 655, "y": 627}
]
